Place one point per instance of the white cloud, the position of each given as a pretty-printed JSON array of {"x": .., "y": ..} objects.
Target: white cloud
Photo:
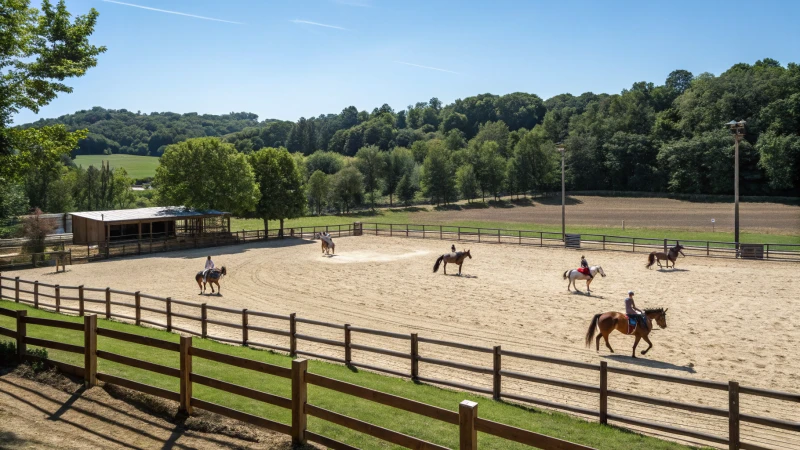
[
  {"x": 426, "y": 67},
  {"x": 172, "y": 12},
  {"x": 317, "y": 24}
]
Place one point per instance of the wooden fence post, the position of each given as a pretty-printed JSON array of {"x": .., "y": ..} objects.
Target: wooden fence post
[
  {"x": 58, "y": 298},
  {"x": 203, "y": 320},
  {"x": 440, "y": 232},
  {"x": 299, "y": 399},
  {"x": 80, "y": 302},
  {"x": 468, "y": 434},
  {"x": 21, "y": 332},
  {"x": 90, "y": 350},
  {"x": 138, "y": 301},
  {"x": 36, "y": 294},
  {"x": 244, "y": 328},
  {"x": 292, "y": 333},
  {"x": 665, "y": 246},
  {"x": 16, "y": 289},
  {"x": 169, "y": 313},
  {"x": 108, "y": 303},
  {"x": 414, "y": 356},
  {"x": 348, "y": 352},
  {"x": 603, "y": 392},
  {"x": 186, "y": 374},
  {"x": 604, "y": 242},
  {"x": 733, "y": 415},
  {"x": 1, "y": 285},
  {"x": 496, "y": 384}
]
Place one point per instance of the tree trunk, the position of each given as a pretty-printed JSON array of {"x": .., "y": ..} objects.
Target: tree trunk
[
  {"x": 390, "y": 200},
  {"x": 280, "y": 232}
]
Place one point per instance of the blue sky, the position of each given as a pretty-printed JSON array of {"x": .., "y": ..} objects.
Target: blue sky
[{"x": 263, "y": 56}]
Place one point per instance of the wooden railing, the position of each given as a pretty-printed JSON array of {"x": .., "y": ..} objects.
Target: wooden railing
[
  {"x": 466, "y": 418},
  {"x": 24, "y": 291},
  {"x": 719, "y": 249}
]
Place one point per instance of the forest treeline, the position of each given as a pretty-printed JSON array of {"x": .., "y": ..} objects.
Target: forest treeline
[{"x": 651, "y": 137}]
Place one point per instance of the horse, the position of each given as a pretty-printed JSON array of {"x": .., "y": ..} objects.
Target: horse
[
  {"x": 456, "y": 258},
  {"x": 656, "y": 257},
  {"x": 325, "y": 244},
  {"x": 575, "y": 275},
  {"x": 213, "y": 278},
  {"x": 610, "y": 321}
]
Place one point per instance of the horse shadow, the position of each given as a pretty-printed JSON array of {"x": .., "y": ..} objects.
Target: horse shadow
[
  {"x": 671, "y": 269},
  {"x": 587, "y": 294},
  {"x": 649, "y": 363},
  {"x": 463, "y": 275},
  {"x": 209, "y": 294}
]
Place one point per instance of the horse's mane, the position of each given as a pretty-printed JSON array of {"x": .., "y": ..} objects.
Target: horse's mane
[{"x": 654, "y": 310}]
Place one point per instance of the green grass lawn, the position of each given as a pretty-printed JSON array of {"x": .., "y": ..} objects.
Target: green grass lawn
[
  {"x": 553, "y": 424},
  {"x": 136, "y": 166},
  {"x": 400, "y": 216}
]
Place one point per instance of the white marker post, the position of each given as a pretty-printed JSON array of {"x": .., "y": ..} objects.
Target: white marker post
[{"x": 712, "y": 225}]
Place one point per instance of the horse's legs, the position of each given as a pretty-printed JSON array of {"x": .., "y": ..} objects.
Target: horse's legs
[
  {"x": 635, "y": 343},
  {"x": 588, "y": 282},
  {"x": 445, "y": 267},
  {"x": 649, "y": 345},
  {"x": 459, "y": 270},
  {"x": 569, "y": 284},
  {"x": 608, "y": 344}
]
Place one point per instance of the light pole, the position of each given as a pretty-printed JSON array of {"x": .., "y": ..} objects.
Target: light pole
[
  {"x": 562, "y": 149},
  {"x": 737, "y": 129}
]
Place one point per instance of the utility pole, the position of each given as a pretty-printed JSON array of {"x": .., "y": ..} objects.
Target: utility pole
[
  {"x": 737, "y": 128},
  {"x": 562, "y": 149}
]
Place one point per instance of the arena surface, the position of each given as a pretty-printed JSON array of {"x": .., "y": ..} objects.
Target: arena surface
[{"x": 728, "y": 319}]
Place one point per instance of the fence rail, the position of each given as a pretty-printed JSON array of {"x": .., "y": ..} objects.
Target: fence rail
[
  {"x": 298, "y": 403},
  {"x": 9, "y": 290}
]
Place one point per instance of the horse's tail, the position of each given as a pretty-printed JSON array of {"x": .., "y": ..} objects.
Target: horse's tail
[
  {"x": 436, "y": 266},
  {"x": 651, "y": 260},
  {"x": 565, "y": 274},
  {"x": 592, "y": 330}
]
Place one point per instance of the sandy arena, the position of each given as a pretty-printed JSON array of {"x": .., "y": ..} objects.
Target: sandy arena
[{"x": 727, "y": 320}]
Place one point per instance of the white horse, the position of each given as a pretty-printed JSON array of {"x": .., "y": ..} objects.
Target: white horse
[
  {"x": 575, "y": 275},
  {"x": 327, "y": 243}
]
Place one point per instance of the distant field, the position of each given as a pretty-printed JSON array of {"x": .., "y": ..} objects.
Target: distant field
[{"x": 136, "y": 166}]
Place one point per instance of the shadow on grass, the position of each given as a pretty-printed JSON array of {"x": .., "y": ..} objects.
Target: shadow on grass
[
  {"x": 554, "y": 201},
  {"x": 407, "y": 209},
  {"x": 450, "y": 207},
  {"x": 475, "y": 205},
  {"x": 500, "y": 204},
  {"x": 525, "y": 201}
]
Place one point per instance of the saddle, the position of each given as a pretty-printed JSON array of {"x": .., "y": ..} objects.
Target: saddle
[
  {"x": 584, "y": 271},
  {"x": 634, "y": 320},
  {"x": 214, "y": 274}
]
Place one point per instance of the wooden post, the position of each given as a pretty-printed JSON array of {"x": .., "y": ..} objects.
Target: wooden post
[
  {"x": 203, "y": 320},
  {"x": 440, "y": 232},
  {"x": 391, "y": 230},
  {"x": 138, "y": 302},
  {"x": 292, "y": 333},
  {"x": 604, "y": 242},
  {"x": 299, "y": 399},
  {"x": 21, "y": 332},
  {"x": 80, "y": 301},
  {"x": 459, "y": 233},
  {"x": 169, "y": 313},
  {"x": 496, "y": 385},
  {"x": 58, "y": 298},
  {"x": 414, "y": 356},
  {"x": 479, "y": 235},
  {"x": 468, "y": 434},
  {"x": 186, "y": 374},
  {"x": 520, "y": 237},
  {"x": 36, "y": 294},
  {"x": 498, "y": 236},
  {"x": 406, "y": 230},
  {"x": 603, "y": 392},
  {"x": 733, "y": 415},
  {"x": 16, "y": 289},
  {"x": 244, "y": 327},
  {"x": 108, "y": 303},
  {"x": 1, "y": 285},
  {"x": 90, "y": 350},
  {"x": 665, "y": 246},
  {"x": 348, "y": 352}
]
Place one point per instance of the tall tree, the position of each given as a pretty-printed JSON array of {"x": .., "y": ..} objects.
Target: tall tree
[
  {"x": 467, "y": 182},
  {"x": 318, "y": 189},
  {"x": 280, "y": 184},
  {"x": 399, "y": 162},
  {"x": 371, "y": 162},
  {"x": 347, "y": 189},
  {"x": 438, "y": 175},
  {"x": 205, "y": 173}
]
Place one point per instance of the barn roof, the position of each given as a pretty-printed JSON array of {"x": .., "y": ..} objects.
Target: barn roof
[{"x": 148, "y": 214}]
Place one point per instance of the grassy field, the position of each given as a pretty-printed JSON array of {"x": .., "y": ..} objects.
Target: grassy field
[
  {"x": 552, "y": 424},
  {"x": 136, "y": 166},
  {"x": 412, "y": 216}
]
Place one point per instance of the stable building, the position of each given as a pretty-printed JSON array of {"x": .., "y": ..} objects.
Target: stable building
[{"x": 98, "y": 227}]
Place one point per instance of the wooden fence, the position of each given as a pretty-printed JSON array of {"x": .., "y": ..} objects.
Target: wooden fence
[
  {"x": 80, "y": 302},
  {"x": 299, "y": 403},
  {"x": 719, "y": 249}
]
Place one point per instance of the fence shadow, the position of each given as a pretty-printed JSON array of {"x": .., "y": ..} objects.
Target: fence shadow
[{"x": 649, "y": 363}]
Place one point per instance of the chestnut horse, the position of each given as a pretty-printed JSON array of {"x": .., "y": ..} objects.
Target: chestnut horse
[
  {"x": 213, "y": 278},
  {"x": 326, "y": 245},
  {"x": 656, "y": 257},
  {"x": 455, "y": 258},
  {"x": 610, "y": 321}
]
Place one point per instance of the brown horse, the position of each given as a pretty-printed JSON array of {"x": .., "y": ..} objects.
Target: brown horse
[
  {"x": 610, "y": 321},
  {"x": 656, "y": 257},
  {"x": 455, "y": 258},
  {"x": 213, "y": 278},
  {"x": 326, "y": 246}
]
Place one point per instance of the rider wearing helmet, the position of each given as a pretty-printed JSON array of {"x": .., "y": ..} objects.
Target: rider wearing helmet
[
  {"x": 635, "y": 314},
  {"x": 453, "y": 248},
  {"x": 209, "y": 268},
  {"x": 585, "y": 265}
]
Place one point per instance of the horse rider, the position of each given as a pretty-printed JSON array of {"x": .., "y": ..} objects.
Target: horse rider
[
  {"x": 633, "y": 312},
  {"x": 209, "y": 268},
  {"x": 453, "y": 248},
  {"x": 585, "y": 265}
]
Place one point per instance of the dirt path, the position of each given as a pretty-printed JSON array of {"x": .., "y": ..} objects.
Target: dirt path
[
  {"x": 37, "y": 416},
  {"x": 728, "y": 319},
  {"x": 636, "y": 212}
]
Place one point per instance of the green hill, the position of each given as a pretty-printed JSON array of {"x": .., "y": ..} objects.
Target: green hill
[{"x": 136, "y": 166}]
